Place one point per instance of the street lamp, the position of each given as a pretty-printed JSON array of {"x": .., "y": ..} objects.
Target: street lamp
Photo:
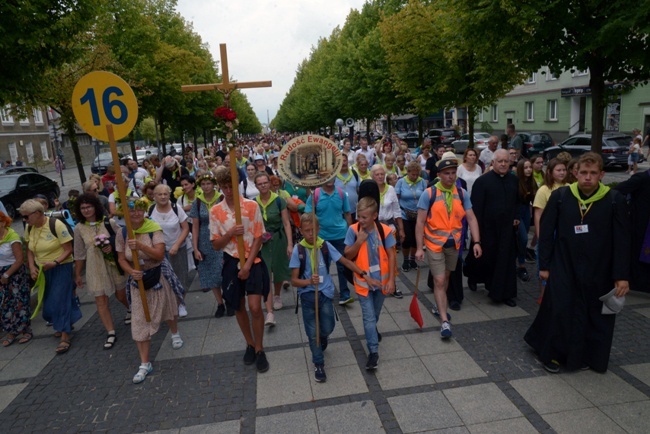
[{"x": 340, "y": 123}]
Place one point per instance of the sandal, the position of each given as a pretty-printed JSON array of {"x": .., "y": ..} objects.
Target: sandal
[
  {"x": 8, "y": 340},
  {"x": 25, "y": 338},
  {"x": 63, "y": 347},
  {"x": 127, "y": 318},
  {"x": 110, "y": 341},
  {"x": 177, "y": 342},
  {"x": 58, "y": 334}
]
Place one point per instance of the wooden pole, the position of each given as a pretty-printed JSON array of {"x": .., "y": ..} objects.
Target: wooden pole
[
  {"x": 234, "y": 176},
  {"x": 121, "y": 188},
  {"x": 315, "y": 261}
]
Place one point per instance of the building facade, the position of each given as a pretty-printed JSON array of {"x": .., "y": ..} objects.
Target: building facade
[
  {"x": 561, "y": 106},
  {"x": 24, "y": 139}
]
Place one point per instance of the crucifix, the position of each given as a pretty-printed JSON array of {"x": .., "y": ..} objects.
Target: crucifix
[{"x": 226, "y": 88}]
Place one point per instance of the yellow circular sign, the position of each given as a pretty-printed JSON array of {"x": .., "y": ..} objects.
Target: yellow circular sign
[
  {"x": 310, "y": 160},
  {"x": 102, "y": 98}
]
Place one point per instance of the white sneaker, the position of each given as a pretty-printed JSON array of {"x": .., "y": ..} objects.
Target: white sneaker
[
  {"x": 270, "y": 319},
  {"x": 177, "y": 341},
  {"x": 182, "y": 311},
  {"x": 144, "y": 370},
  {"x": 277, "y": 302}
]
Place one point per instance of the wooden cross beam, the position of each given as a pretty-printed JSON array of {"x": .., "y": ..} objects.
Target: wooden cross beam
[{"x": 226, "y": 86}]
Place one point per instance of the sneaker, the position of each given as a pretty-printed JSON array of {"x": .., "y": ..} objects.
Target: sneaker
[
  {"x": 277, "y": 302},
  {"x": 436, "y": 313},
  {"x": 230, "y": 311},
  {"x": 182, "y": 311},
  {"x": 553, "y": 367},
  {"x": 406, "y": 265},
  {"x": 585, "y": 367},
  {"x": 319, "y": 373},
  {"x": 262, "y": 363},
  {"x": 249, "y": 355},
  {"x": 413, "y": 264},
  {"x": 454, "y": 305},
  {"x": 323, "y": 343},
  {"x": 221, "y": 311},
  {"x": 445, "y": 330},
  {"x": 127, "y": 318},
  {"x": 144, "y": 370},
  {"x": 270, "y": 319},
  {"x": 285, "y": 285},
  {"x": 177, "y": 342},
  {"x": 523, "y": 275},
  {"x": 345, "y": 301},
  {"x": 373, "y": 361},
  {"x": 398, "y": 294}
]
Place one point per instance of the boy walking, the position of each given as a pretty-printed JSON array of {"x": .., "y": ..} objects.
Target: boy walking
[
  {"x": 373, "y": 253},
  {"x": 303, "y": 279}
]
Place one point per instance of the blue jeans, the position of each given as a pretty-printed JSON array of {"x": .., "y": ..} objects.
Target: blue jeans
[
  {"x": 370, "y": 310},
  {"x": 344, "y": 291},
  {"x": 326, "y": 324},
  {"x": 524, "y": 227}
]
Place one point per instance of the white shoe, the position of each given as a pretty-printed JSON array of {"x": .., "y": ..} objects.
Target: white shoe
[
  {"x": 277, "y": 302},
  {"x": 144, "y": 370},
  {"x": 177, "y": 341},
  {"x": 182, "y": 311},
  {"x": 270, "y": 319}
]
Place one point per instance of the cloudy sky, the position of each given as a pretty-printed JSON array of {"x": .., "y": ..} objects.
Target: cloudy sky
[{"x": 266, "y": 39}]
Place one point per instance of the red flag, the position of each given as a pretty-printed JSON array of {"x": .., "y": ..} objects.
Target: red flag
[{"x": 415, "y": 306}]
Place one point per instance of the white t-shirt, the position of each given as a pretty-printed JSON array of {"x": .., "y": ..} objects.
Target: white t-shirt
[
  {"x": 389, "y": 208},
  {"x": 251, "y": 190},
  {"x": 468, "y": 176},
  {"x": 7, "y": 254},
  {"x": 170, "y": 224}
]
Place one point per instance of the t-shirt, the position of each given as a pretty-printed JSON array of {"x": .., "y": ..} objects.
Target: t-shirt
[
  {"x": 327, "y": 286},
  {"x": 369, "y": 153},
  {"x": 349, "y": 184},
  {"x": 543, "y": 195},
  {"x": 222, "y": 218},
  {"x": 486, "y": 157},
  {"x": 468, "y": 176},
  {"x": 374, "y": 244},
  {"x": 170, "y": 224},
  {"x": 6, "y": 252},
  {"x": 251, "y": 191},
  {"x": 389, "y": 206},
  {"x": 424, "y": 201},
  {"x": 409, "y": 195},
  {"x": 45, "y": 245},
  {"x": 329, "y": 210}
]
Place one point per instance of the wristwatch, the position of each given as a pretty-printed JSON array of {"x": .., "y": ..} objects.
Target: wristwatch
[
  {"x": 363, "y": 274},
  {"x": 5, "y": 276}
]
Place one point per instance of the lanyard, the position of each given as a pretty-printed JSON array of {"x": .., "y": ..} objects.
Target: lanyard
[{"x": 584, "y": 210}]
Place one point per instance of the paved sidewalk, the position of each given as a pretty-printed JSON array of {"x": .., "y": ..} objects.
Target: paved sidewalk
[{"x": 483, "y": 380}]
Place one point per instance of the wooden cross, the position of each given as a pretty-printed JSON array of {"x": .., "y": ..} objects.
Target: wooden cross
[{"x": 226, "y": 88}]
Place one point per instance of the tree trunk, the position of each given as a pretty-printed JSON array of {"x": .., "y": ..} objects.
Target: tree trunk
[
  {"x": 134, "y": 155},
  {"x": 162, "y": 137},
  {"x": 389, "y": 127},
  {"x": 597, "y": 85},
  {"x": 68, "y": 124},
  {"x": 470, "y": 126},
  {"x": 419, "y": 130}
]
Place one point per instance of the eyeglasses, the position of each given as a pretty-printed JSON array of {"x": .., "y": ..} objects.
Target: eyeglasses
[{"x": 25, "y": 217}]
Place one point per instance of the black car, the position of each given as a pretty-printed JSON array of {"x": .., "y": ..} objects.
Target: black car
[
  {"x": 443, "y": 136},
  {"x": 17, "y": 169},
  {"x": 614, "y": 153},
  {"x": 17, "y": 188},
  {"x": 536, "y": 142},
  {"x": 102, "y": 161}
]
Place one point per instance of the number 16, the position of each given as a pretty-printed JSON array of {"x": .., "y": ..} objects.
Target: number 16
[{"x": 107, "y": 105}]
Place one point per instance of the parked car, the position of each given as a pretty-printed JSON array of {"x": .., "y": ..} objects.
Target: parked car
[
  {"x": 17, "y": 169},
  {"x": 461, "y": 144},
  {"x": 614, "y": 153},
  {"x": 536, "y": 142},
  {"x": 141, "y": 154},
  {"x": 102, "y": 161},
  {"x": 444, "y": 136},
  {"x": 16, "y": 188}
]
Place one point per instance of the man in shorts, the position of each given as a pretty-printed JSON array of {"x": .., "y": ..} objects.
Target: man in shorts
[
  {"x": 249, "y": 281},
  {"x": 439, "y": 227}
]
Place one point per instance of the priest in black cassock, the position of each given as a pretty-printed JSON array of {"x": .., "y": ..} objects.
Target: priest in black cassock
[
  {"x": 638, "y": 189},
  {"x": 584, "y": 252},
  {"x": 494, "y": 201}
]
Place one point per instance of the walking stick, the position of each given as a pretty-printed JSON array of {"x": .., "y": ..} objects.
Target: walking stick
[{"x": 315, "y": 260}]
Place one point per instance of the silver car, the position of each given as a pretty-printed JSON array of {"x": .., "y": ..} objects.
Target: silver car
[{"x": 461, "y": 144}]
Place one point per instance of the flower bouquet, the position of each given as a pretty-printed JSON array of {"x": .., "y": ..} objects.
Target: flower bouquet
[
  {"x": 102, "y": 241},
  {"x": 226, "y": 123}
]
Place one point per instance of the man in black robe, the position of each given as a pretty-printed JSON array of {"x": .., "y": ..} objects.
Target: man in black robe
[
  {"x": 638, "y": 189},
  {"x": 494, "y": 201},
  {"x": 584, "y": 251}
]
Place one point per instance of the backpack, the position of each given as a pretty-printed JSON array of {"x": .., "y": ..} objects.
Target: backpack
[
  {"x": 63, "y": 216},
  {"x": 432, "y": 197},
  {"x": 317, "y": 195},
  {"x": 174, "y": 208}
]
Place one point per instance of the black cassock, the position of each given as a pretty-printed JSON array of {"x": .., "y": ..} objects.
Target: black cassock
[
  {"x": 569, "y": 326},
  {"x": 494, "y": 202},
  {"x": 638, "y": 187}
]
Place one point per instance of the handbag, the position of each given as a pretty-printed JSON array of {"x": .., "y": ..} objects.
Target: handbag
[
  {"x": 151, "y": 277},
  {"x": 410, "y": 215}
]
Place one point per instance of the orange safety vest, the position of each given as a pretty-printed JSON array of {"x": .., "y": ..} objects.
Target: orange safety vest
[
  {"x": 440, "y": 224},
  {"x": 360, "y": 285}
]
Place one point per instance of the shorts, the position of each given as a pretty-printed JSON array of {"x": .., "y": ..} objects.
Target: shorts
[
  {"x": 439, "y": 262},
  {"x": 634, "y": 158},
  {"x": 234, "y": 289}
]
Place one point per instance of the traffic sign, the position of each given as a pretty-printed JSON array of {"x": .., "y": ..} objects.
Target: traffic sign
[{"x": 101, "y": 98}]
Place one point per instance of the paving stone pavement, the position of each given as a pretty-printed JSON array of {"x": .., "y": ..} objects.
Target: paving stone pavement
[{"x": 483, "y": 380}]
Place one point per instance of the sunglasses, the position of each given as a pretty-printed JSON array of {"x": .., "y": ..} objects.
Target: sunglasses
[{"x": 25, "y": 217}]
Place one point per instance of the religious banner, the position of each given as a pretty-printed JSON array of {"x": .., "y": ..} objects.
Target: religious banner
[{"x": 309, "y": 160}]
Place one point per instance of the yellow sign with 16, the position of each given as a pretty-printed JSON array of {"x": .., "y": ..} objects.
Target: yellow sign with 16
[{"x": 102, "y": 98}]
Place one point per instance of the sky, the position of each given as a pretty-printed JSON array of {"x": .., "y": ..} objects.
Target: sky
[{"x": 266, "y": 39}]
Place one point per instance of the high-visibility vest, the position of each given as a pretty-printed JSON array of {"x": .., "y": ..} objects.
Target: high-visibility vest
[
  {"x": 441, "y": 225},
  {"x": 360, "y": 285}
]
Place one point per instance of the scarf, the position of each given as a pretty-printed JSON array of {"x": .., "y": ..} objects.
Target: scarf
[
  {"x": 39, "y": 287},
  {"x": 382, "y": 194},
  {"x": 449, "y": 195},
  {"x": 599, "y": 194},
  {"x": 368, "y": 175},
  {"x": 10, "y": 236},
  {"x": 306, "y": 245},
  {"x": 539, "y": 178},
  {"x": 269, "y": 202},
  {"x": 347, "y": 179},
  {"x": 200, "y": 195},
  {"x": 148, "y": 226},
  {"x": 412, "y": 184}
]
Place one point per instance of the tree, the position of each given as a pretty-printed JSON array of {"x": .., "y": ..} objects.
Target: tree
[{"x": 37, "y": 35}]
